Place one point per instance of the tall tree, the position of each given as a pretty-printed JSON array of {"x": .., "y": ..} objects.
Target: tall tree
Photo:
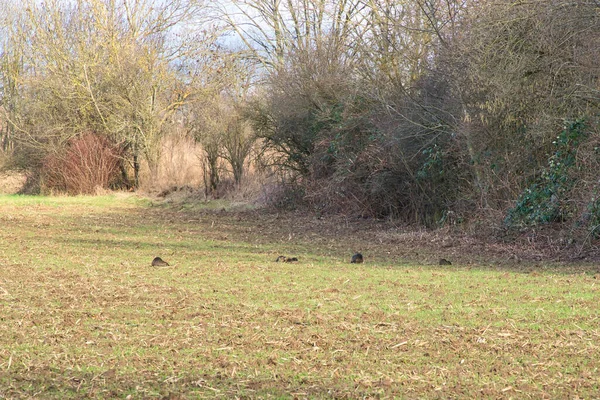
[
  {"x": 270, "y": 29},
  {"x": 120, "y": 68}
]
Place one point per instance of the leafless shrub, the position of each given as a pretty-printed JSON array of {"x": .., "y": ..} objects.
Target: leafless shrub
[{"x": 88, "y": 162}]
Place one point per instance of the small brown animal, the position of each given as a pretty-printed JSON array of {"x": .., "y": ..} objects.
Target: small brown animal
[
  {"x": 286, "y": 259},
  {"x": 357, "y": 259},
  {"x": 443, "y": 261},
  {"x": 159, "y": 262}
]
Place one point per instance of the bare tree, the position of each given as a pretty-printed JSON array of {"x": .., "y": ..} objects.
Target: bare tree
[
  {"x": 121, "y": 68},
  {"x": 12, "y": 48},
  {"x": 270, "y": 29},
  {"x": 206, "y": 125},
  {"x": 238, "y": 141}
]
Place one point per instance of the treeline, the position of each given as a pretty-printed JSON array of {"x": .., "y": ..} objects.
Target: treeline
[
  {"x": 430, "y": 111},
  {"x": 92, "y": 88}
]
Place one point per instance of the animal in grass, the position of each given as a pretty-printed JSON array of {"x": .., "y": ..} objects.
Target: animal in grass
[
  {"x": 443, "y": 261},
  {"x": 357, "y": 259},
  {"x": 159, "y": 262},
  {"x": 286, "y": 259}
]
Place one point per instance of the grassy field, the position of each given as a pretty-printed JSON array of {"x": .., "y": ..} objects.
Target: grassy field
[{"x": 84, "y": 315}]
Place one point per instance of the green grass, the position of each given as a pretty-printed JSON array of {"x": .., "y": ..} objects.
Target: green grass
[{"x": 83, "y": 315}]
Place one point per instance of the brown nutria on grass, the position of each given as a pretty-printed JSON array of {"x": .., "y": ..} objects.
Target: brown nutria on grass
[
  {"x": 357, "y": 259},
  {"x": 159, "y": 262},
  {"x": 443, "y": 261},
  {"x": 286, "y": 259}
]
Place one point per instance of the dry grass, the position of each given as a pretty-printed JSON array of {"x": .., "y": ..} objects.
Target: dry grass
[
  {"x": 83, "y": 315},
  {"x": 11, "y": 183},
  {"x": 179, "y": 166}
]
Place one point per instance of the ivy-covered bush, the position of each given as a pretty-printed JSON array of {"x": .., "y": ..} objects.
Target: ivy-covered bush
[{"x": 545, "y": 200}]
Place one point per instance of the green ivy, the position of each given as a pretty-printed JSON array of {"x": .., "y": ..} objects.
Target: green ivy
[
  {"x": 432, "y": 166},
  {"x": 543, "y": 201}
]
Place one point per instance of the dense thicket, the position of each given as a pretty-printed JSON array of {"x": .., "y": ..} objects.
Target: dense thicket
[
  {"x": 432, "y": 111},
  {"x": 485, "y": 108}
]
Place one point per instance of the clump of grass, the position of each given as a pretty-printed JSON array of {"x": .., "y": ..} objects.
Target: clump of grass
[{"x": 83, "y": 314}]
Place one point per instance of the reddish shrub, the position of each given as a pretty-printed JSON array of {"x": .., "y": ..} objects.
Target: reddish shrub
[{"x": 89, "y": 162}]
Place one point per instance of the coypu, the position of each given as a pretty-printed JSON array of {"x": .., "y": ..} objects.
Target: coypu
[
  {"x": 159, "y": 262},
  {"x": 286, "y": 259},
  {"x": 357, "y": 259}
]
